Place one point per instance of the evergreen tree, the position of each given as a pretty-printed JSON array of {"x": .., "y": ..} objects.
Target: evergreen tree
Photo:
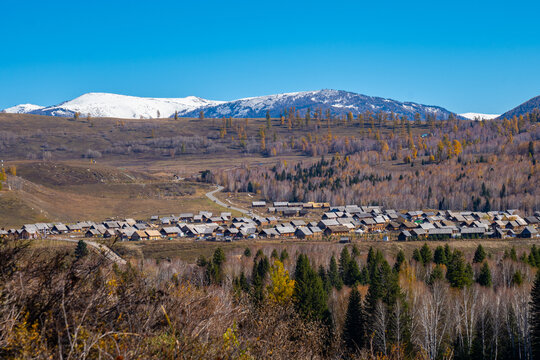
[
  {"x": 517, "y": 279},
  {"x": 447, "y": 253},
  {"x": 327, "y": 286},
  {"x": 261, "y": 266},
  {"x": 400, "y": 259},
  {"x": 268, "y": 120},
  {"x": 436, "y": 274},
  {"x": 417, "y": 256},
  {"x": 353, "y": 273},
  {"x": 81, "y": 250},
  {"x": 353, "y": 328},
  {"x": 484, "y": 278},
  {"x": 284, "y": 255},
  {"x": 426, "y": 254},
  {"x": 513, "y": 254},
  {"x": 459, "y": 274},
  {"x": 355, "y": 251},
  {"x": 309, "y": 294},
  {"x": 247, "y": 252},
  {"x": 439, "y": 256},
  {"x": 479, "y": 254},
  {"x": 214, "y": 268},
  {"x": 333, "y": 274},
  {"x": 344, "y": 262},
  {"x": 535, "y": 317},
  {"x": 274, "y": 254}
]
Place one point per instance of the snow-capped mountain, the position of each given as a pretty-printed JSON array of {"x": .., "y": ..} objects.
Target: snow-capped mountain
[
  {"x": 122, "y": 106},
  {"x": 478, "y": 116},
  {"x": 337, "y": 101},
  {"x": 22, "y": 109}
]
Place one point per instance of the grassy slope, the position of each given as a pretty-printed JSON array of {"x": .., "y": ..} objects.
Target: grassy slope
[{"x": 61, "y": 192}]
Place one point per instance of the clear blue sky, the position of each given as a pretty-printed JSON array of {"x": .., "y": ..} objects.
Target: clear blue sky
[{"x": 464, "y": 55}]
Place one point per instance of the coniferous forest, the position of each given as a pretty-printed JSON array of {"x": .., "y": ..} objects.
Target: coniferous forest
[{"x": 280, "y": 302}]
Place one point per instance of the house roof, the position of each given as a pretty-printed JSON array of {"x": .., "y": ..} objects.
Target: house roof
[{"x": 153, "y": 233}]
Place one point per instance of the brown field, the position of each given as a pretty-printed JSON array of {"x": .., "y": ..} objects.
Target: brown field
[
  {"x": 47, "y": 191},
  {"x": 189, "y": 250}
]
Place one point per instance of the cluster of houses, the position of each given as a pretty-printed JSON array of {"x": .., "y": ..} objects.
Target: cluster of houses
[{"x": 342, "y": 221}]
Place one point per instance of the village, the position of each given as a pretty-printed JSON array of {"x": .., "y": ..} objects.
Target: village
[{"x": 283, "y": 220}]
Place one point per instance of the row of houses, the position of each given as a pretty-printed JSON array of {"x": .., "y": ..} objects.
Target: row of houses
[{"x": 340, "y": 220}]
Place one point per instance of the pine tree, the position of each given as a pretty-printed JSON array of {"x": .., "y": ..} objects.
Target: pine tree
[
  {"x": 309, "y": 294},
  {"x": 484, "y": 278},
  {"x": 355, "y": 251},
  {"x": 517, "y": 279},
  {"x": 81, "y": 250},
  {"x": 344, "y": 261},
  {"x": 333, "y": 274},
  {"x": 479, "y": 254},
  {"x": 261, "y": 266},
  {"x": 400, "y": 259},
  {"x": 214, "y": 268},
  {"x": 284, "y": 255},
  {"x": 353, "y": 328},
  {"x": 427, "y": 255},
  {"x": 436, "y": 275},
  {"x": 513, "y": 254},
  {"x": 417, "y": 256},
  {"x": 459, "y": 274},
  {"x": 439, "y": 256},
  {"x": 268, "y": 120},
  {"x": 535, "y": 317}
]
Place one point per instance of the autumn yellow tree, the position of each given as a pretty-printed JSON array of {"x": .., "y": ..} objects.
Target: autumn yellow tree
[
  {"x": 457, "y": 148},
  {"x": 281, "y": 286}
]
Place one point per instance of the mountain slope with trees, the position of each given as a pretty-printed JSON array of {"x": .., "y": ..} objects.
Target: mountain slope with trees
[{"x": 531, "y": 105}]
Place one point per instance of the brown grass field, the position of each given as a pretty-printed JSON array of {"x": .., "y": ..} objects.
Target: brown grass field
[{"x": 189, "y": 250}]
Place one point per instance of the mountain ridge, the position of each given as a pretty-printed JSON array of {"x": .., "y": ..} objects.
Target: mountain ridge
[
  {"x": 526, "y": 107},
  {"x": 339, "y": 102}
]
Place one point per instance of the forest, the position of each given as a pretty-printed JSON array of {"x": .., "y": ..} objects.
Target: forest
[
  {"x": 454, "y": 164},
  {"x": 272, "y": 303}
]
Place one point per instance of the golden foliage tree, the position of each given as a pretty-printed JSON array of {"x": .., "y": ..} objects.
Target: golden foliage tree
[{"x": 281, "y": 286}]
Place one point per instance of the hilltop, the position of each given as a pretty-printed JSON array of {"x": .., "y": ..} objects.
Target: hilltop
[
  {"x": 527, "y": 107},
  {"x": 338, "y": 102}
]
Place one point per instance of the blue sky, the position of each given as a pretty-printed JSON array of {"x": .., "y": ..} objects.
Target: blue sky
[{"x": 474, "y": 56}]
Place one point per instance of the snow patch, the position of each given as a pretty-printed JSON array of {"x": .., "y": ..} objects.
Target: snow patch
[
  {"x": 479, "y": 116},
  {"x": 22, "y": 109}
]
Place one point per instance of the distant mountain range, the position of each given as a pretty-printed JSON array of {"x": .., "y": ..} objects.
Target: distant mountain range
[
  {"x": 339, "y": 102},
  {"x": 116, "y": 106},
  {"x": 121, "y": 106}
]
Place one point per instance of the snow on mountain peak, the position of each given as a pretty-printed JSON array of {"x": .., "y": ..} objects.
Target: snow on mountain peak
[
  {"x": 338, "y": 102},
  {"x": 479, "y": 116},
  {"x": 97, "y": 104},
  {"x": 22, "y": 109}
]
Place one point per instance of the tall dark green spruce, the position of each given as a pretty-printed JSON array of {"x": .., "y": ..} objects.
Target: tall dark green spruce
[
  {"x": 309, "y": 294},
  {"x": 333, "y": 274},
  {"x": 479, "y": 254},
  {"x": 353, "y": 328},
  {"x": 439, "y": 257},
  {"x": 261, "y": 266},
  {"x": 459, "y": 273},
  {"x": 535, "y": 317},
  {"x": 81, "y": 250},
  {"x": 484, "y": 278}
]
